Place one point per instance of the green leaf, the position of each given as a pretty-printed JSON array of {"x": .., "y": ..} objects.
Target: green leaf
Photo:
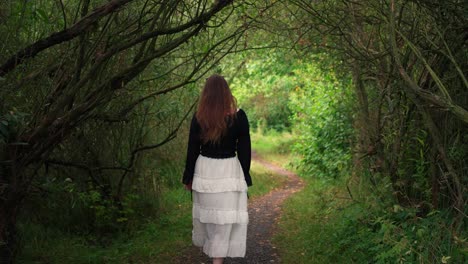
[
  {"x": 4, "y": 131},
  {"x": 42, "y": 15}
]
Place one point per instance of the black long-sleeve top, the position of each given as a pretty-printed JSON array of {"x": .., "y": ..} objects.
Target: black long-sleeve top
[{"x": 236, "y": 139}]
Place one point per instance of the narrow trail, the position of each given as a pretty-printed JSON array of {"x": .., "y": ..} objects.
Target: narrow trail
[{"x": 264, "y": 212}]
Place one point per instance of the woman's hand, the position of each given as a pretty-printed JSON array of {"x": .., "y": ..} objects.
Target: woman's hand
[{"x": 188, "y": 187}]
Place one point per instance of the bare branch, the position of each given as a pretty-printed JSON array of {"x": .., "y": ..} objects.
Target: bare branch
[{"x": 62, "y": 36}]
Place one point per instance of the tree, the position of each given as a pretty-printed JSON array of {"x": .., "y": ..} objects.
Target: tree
[
  {"x": 81, "y": 63},
  {"x": 408, "y": 63}
]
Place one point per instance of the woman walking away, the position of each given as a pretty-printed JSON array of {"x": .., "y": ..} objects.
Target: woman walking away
[{"x": 217, "y": 177}]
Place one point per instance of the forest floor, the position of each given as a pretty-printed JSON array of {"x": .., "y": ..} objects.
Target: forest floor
[{"x": 264, "y": 213}]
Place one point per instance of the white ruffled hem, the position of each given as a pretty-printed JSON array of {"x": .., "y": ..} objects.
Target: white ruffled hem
[
  {"x": 217, "y": 249},
  {"x": 220, "y": 217},
  {"x": 220, "y": 250},
  {"x": 206, "y": 185}
]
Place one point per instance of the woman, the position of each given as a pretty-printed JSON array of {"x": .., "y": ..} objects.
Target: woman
[{"x": 217, "y": 177}]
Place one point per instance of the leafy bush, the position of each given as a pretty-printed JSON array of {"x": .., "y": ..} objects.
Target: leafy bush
[
  {"x": 322, "y": 121},
  {"x": 263, "y": 87},
  {"x": 289, "y": 91},
  {"x": 319, "y": 226},
  {"x": 399, "y": 235}
]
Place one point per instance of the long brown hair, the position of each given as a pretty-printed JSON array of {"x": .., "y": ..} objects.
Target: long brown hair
[{"x": 215, "y": 108}]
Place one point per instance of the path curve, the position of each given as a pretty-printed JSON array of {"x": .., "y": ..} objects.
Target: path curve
[{"x": 264, "y": 212}]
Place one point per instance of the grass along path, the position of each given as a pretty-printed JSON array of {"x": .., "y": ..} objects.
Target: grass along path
[
  {"x": 315, "y": 226},
  {"x": 274, "y": 147}
]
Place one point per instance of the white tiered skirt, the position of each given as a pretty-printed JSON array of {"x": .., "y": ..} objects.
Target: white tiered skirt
[{"x": 219, "y": 210}]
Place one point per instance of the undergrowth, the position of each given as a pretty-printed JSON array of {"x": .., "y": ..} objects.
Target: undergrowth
[
  {"x": 156, "y": 237},
  {"x": 322, "y": 224},
  {"x": 343, "y": 220}
]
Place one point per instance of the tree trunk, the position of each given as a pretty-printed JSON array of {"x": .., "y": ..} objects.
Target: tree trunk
[
  {"x": 8, "y": 233},
  {"x": 434, "y": 179},
  {"x": 11, "y": 196},
  {"x": 361, "y": 93}
]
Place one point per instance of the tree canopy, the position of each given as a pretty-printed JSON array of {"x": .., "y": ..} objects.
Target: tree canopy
[{"x": 373, "y": 91}]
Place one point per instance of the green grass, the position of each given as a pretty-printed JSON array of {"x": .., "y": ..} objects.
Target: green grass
[
  {"x": 314, "y": 220},
  {"x": 263, "y": 180},
  {"x": 321, "y": 224},
  {"x": 274, "y": 147},
  {"x": 311, "y": 225},
  {"x": 156, "y": 241}
]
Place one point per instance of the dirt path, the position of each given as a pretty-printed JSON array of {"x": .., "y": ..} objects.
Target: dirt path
[{"x": 264, "y": 211}]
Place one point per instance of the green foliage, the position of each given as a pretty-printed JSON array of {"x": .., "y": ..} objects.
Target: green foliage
[
  {"x": 323, "y": 122},
  {"x": 262, "y": 82},
  {"x": 274, "y": 146},
  {"x": 91, "y": 197},
  {"x": 10, "y": 123},
  {"x": 402, "y": 235},
  {"x": 101, "y": 90},
  {"x": 310, "y": 224},
  {"x": 322, "y": 224},
  {"x": 287, "y": 90},
  {"x": 108, "y": 216},
  {"x": 156, "y": 239}
]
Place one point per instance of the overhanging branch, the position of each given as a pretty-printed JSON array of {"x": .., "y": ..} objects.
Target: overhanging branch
[{"x": 62, "y": 36}]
